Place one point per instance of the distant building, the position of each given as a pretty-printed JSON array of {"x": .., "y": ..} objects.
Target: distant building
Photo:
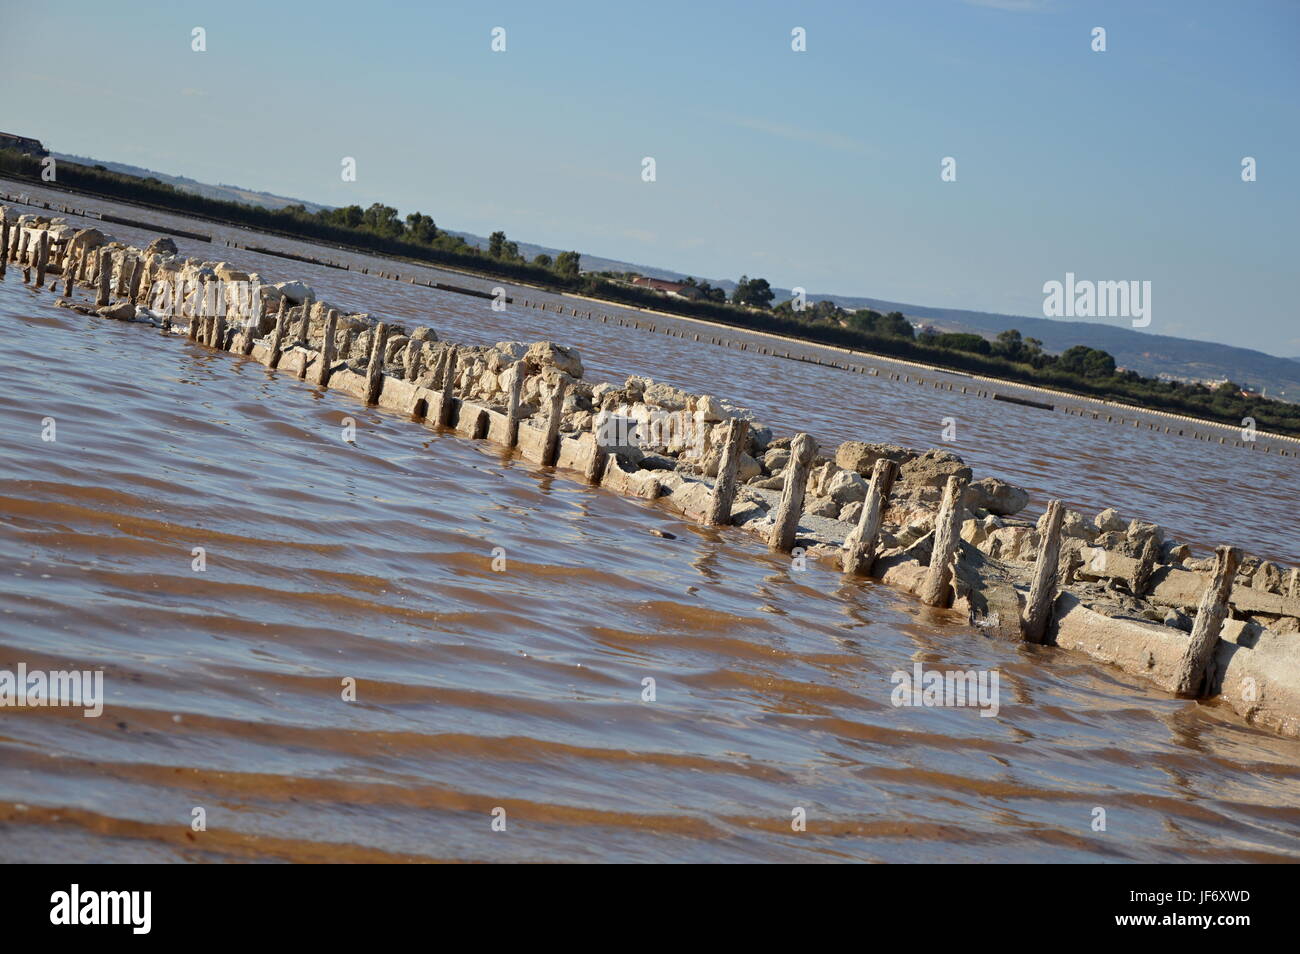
[
  {"x": 672, "y": 289},
  {"x": 32, "y": 147}
]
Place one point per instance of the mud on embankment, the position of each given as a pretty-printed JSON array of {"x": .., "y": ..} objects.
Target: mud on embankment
[{"x": 1118, "y": 591}]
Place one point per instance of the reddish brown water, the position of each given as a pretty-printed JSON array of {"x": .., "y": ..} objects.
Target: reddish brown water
[{"x": 523, "y": 689}]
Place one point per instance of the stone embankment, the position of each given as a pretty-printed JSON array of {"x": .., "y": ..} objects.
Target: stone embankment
[{"x": 1224, "y": 627}]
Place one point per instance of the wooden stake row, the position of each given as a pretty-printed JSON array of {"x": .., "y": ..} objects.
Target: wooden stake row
[{"x": 1194, "y": 677}]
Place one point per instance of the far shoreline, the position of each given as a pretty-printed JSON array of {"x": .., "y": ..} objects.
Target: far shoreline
[{"x": 637, "y": 309}]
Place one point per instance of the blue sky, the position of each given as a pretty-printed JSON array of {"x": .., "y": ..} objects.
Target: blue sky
[{"x": 818, "y": 169}]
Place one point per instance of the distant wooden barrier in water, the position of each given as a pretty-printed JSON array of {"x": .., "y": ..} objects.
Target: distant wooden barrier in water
[
  {"x": 154, "y": 227},
  {"x": 1024, "y": 401}
]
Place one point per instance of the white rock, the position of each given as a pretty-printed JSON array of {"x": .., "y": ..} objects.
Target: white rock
[
  {"x": 295, "y": 291},
  {"x": 709, "y": 407},
  {"x": 846, "y": 487},
  {"x": 1109, "y": 520}
]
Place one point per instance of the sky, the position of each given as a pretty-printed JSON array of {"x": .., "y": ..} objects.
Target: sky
[{"x": 817, "y": 168}]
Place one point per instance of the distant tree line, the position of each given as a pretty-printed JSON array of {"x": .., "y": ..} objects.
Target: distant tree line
[{"x": 379, "y": 229}]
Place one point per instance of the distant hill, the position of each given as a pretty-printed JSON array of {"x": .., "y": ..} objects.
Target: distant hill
[
  {"x": 1140, "y": 351},
  {"x": 227, "y": 193},
  {"x": 1145, "y": 353}
]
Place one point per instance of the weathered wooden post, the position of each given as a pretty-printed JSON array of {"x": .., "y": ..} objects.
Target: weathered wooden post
[
  {"x": 138, "y": 269},
  {"x": 1042, "y": 592},
  {"x": 512, "y": 405},
  {"x": 85, "y": 263},
  {"x": 42, "y": 257},
  {"x": 155, "y": 287},
  {"x": 375, "y": 369},
  {"x": 21, "y": 258},
  {"x": 208, "y": 304},
  {"x": 142, "y": 280},
  {"x": 1190, "y": 677},
  {"x": 305, "y": 334},
  {"x": 59, "y": 250},
  {"x": 218, "y": 339},
  {"x": 789, "y": 508},
  {"x": 195, "y": 324},
  {"x": 124, "y": 277},
  {"x": 413, "y": 359},
  {"x": 718, "y": 513},
  {"x": 593, "y": 462},
  {"x": 122, "y": 286},
  {"x": 1146, "y": 565},
  {"x": 551, "y": 443},
  {"x": 277, "y": 336},
  {"x": 327, "y": 349},
  {"x": 103, "y": 273},
  {"x": 304, "y": 330},
  {"x": 936, "y": 588},
  {"x": 4, "y": 240},
  {"x": 435, "y": 370},
  {"x": 252, "y": 325},
  {"x": 860, "y": 547},
  {"x": 448, "y": 383}
]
